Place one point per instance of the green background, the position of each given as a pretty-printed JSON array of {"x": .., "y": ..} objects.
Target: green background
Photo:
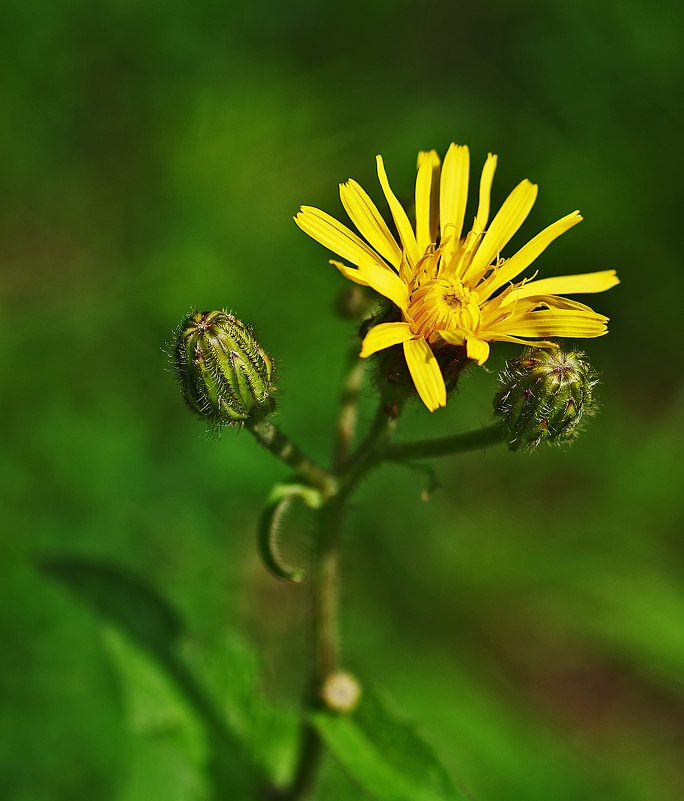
[{"x": 530, "y": 617}]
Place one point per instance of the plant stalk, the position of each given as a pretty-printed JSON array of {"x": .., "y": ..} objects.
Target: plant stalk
[
  {"x": 444, "y": 446},
  {"x": 282, "y": 447}
]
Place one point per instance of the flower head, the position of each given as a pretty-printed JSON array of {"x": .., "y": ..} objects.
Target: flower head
[{"x": 451, "y": 286}]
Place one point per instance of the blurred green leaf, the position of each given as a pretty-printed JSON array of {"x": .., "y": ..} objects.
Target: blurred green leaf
[
  {"x": 230, "y": 670},
  {"x": 168, "y": 753},
  {"x": 385, "y": 755},
  {"x": 61, "y": 727},
  {"x": 122, "y": 598},
  {"x": 139, "y": 612}
]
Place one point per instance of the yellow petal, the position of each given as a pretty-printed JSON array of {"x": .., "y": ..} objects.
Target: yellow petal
[
  {"x": 366, "y": 217},
  {"x": 408, "y": 239},
  {"x": 482, "y": 216},
  {"x": 454, "y": 336},
  {"x": 565, "y": 285},
  {"x": 384, "y": 281},
  {"x": 453, "y": 196},
  {"x": 538, "y": 343},
  {"x": 528, "y": 253},
  {"x": 498, "y": 309},
  {"x": 352, "y": 273},
  {"x": 384, "y": 336},
  {"x": 552, "y": 323},
  {"x": 427, "y": 200},
  {"x": 422, "y": 154},
  {"x": 425, "y": 373},
  {"x": 338, "y": 238},
  {"x": 477, "y": 350},
  {"x": 509, "y": 218}
]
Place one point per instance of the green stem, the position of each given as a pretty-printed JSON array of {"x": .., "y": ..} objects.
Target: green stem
[
  {"x": 325, "y": 603},
  {"x": 325, "y": 584},
  {"x": 282, "y": 447},
  {"x": 459, "y": 443},
  {"x": 372, "y": 450},
  {"x": 349, "y": 399}
]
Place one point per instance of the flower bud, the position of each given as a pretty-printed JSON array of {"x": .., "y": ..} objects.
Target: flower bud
[
  {"x": 543, "y": 396},
  {"x": 341, "y": 692},
  {"x": 224, "y": 375}
]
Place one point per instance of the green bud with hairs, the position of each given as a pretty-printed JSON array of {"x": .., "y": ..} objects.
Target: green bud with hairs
[
  {"x": 543, "y": 396},
  {"x": 225, "y": 376}
]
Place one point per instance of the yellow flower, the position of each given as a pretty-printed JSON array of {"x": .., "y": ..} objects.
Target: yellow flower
[{"x": 450, "y": 286}]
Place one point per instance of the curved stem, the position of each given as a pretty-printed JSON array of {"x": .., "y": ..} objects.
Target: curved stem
[{"x": 459, "y": 443}]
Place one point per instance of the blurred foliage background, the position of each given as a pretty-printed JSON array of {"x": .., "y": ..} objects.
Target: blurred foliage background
[{"x": 530, "y": 617}]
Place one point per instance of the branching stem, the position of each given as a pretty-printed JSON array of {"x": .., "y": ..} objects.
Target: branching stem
[
  {"x": 349, "y": 468},
  {"x": 444, "y": 446},
  {"x": 349, "y": 399},
  {"x": 282, "y": 447}
]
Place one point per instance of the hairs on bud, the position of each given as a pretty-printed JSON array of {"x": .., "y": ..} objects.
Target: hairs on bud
[
  {"x": 226, "y": 378},
  {"x": 543, "y": 396}
]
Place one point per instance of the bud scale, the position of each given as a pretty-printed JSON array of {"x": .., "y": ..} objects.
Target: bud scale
[
  {"x": 543, "y": 395},
  {"x": 225, "y": 376}
]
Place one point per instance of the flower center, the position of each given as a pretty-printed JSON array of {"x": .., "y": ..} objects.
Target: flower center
[{"x": 441, "y": 305}]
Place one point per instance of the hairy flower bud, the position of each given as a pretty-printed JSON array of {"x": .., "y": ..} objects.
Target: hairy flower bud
[
  {"x": 543, "y": 396},
  {"x": 224, "y": 375}
]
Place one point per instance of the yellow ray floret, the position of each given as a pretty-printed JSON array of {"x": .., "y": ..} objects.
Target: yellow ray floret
[{"x": 453, "y": 288}]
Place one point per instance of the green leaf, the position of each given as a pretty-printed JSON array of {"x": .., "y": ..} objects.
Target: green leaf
[
  {"x": 231, "y": 671},
  {"x": 148, "y": 621},
  {"x": 168, "y": 751},
  {"x": 384, "y": 754},
  {"x": 122, "y": 598}
]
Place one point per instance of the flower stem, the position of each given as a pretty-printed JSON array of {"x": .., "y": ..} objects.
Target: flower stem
[
  {"x": 325, "y": 570},
  {"x": 325, "y": 603},
  {"x": 349, "y": 398},
  {"x": 443, "y": 446},
  {"x": 282, "y": 447}
]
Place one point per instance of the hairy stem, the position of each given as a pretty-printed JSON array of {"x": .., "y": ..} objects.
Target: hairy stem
[
  {"x": 349, "y": 398},
  {"x": 282, "y": 447},
  {"x": 325, "y": 603},
  {"x": 325, "y": 583},
  {"x": 443, "y": 446}
]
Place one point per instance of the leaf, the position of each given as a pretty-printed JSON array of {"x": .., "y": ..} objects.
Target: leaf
[
  {"x": 231, "y": 671},
  {"x": 385, "y": 755},
  {"x": 122, "y": 598},
  {"x": 139, "y": 612},
  {"x": 168, "y": 751}
]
